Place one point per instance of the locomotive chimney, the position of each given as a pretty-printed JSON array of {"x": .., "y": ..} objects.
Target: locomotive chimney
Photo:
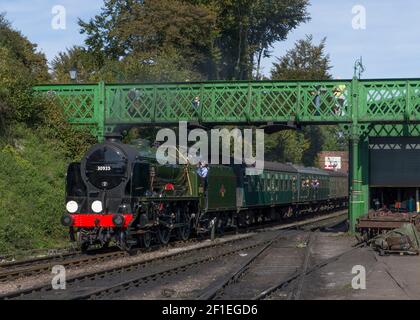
[{"x": 113, "y": 137}]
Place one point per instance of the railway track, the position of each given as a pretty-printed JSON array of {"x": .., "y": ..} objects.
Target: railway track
[
  {"x": 111, "y": 278},
  {"x": 46, "y": 290},
  {"x": 36, "y": 266},
  {"x": 297, "y": 279},
  {"x": 253, "y": 272},
  {"x": 32, "y": 267},
  {"x": 11, "y": 271},
  {"x": 35, "y": 254}
]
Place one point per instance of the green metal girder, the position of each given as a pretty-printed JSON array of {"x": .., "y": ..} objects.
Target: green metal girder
[
  {"x": 365, "y": 108},
  {"x": 102, "y": 105}
]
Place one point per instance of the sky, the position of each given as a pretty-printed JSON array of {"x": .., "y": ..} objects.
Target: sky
[{"x": 389, "y": 41}]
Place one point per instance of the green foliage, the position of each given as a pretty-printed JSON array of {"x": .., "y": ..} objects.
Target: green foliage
[
  {"x": 74, "y": 141},
  {"x": 306, "y": 61},
  {"x": 168, "y": 40},
  {"x": 75, "y": 57},
  {"x": 20, "y": 67},
  {"x": 168, "y": 66},
  {"x": 23, "y": 51},
  {"x": 248, "y": 29},
  {"x": 218, "y": 39},
  {"x": 32, "y": 193},
  {"x": 285, "y": 146},
  {"x": 36, "y": 144}
]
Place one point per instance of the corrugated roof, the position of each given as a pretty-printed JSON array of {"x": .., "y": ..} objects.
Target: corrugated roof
[
  {"x": 277, "y": 166},
  {"x": 310, "y": 170}
]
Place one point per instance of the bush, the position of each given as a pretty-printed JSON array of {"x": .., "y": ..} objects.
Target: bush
[
  {"x": 32, "y": 180},
  {"x": 36, "y": 144}
]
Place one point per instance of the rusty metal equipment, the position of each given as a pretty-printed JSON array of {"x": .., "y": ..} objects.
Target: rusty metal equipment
[
  {"x": 381, "y": 221},
  {"x": 403, "y": 241}
]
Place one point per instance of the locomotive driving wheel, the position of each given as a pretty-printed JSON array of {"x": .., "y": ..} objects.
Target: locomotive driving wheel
[
  {"x": 123, "y": 241},
  {"x": 145, "y": 240},
  {"x": 182, "y": 216},
  {"x": 163, "y": 234},
  {"x": 221, "y": 224}
]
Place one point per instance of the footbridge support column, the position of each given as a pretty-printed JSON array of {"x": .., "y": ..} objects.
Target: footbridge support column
[
  {"x": 359, "y": 161},
  {"x": 359, "y": 180}
]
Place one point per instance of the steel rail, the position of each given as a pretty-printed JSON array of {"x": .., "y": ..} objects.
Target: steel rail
[
  {"x": 134, "y": 266},
  {"x": 301, "y": 279},
  {"x": 216, "y": 290},
  {"x": 33, "y": 267},
  {"x": 136, "y": 282},
  {"x": 297, "y": 275}
]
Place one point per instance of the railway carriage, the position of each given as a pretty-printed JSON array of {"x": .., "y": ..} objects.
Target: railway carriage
[{"x": 121, "y": 193}]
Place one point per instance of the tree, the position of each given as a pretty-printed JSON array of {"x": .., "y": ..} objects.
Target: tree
[
  {"x": 152, "y": 28},
  {"x": 306, "y": 61},
  {"x": 249, "y": 28},
  {"x": 286, "y": 146},
  {"x": 21, "y": 66},
  {"x": 221, "y": 39},
  {"x": 166, "y": 66},
  {"x": 75, "y": 57},
  {"x": 23, "y": 51}
]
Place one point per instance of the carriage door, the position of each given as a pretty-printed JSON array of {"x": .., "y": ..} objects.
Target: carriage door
[{"x": 294, "y": 185}]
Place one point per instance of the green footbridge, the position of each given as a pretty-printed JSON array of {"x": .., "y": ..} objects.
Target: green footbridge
[{"x": 363, "y": 108}]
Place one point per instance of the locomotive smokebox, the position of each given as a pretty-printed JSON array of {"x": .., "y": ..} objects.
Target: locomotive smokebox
[{"x": 113, "y": 137}]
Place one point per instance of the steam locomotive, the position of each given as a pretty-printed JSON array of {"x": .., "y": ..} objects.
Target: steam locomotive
[{"x": 120, "y": 193}]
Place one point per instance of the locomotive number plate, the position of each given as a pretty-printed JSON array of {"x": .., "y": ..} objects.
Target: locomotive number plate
[{"x": 103, "y": 168}]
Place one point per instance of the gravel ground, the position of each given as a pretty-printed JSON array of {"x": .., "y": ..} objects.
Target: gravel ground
[
  {"x": 188, "y": 285},
  {"x": 33, "y": 281}
]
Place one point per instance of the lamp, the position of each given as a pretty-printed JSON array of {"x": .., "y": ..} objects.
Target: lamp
[{"x": 73, "y": 74}]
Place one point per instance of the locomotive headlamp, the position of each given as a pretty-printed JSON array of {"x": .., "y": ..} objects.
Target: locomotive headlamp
[
  {"x": 67, "y": 220},
  {"x": 97, "y": 206},
  {"x": 118, "y": 220},
  {"x": 72, "y": 206}
]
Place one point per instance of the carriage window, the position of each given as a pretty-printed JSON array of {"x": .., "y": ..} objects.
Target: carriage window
[{"x": 305, "y": 183}]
